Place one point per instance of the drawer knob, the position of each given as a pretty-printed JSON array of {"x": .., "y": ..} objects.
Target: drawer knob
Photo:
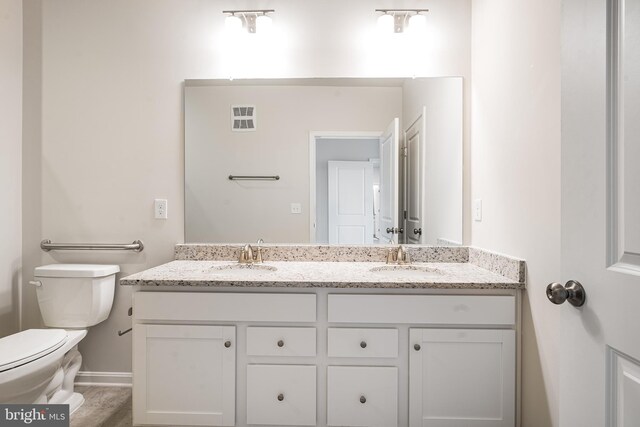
[
  {"x": 280, "y": 397},
  {"x": 363, "y": 344},
  {"x": 416, "y": 347},
  {"x": 227, "y": 344},
  {"x": 280, "y": 343},
  {"x": 363, "y": 399}
]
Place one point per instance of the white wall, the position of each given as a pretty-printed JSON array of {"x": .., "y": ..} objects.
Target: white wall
[
  {"x": 443, "y": 169},
  {"x": 10, "y": 163},
  {"x": 516, "y": 170},
  {"x": 219, "y": 210},
  {"x": 103, "y": 112}
]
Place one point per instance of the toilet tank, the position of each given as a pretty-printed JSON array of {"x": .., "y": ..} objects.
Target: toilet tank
[{"x": 75, "y": 295}]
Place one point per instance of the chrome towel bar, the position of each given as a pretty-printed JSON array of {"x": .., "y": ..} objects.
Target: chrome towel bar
[
  {"x": 254, "y": 177},
  {"x": 46, "y": 245}
]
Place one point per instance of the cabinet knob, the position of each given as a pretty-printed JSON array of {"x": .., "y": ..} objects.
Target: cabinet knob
[
  {"x": 363, "y": 344},
  {"x": 416, "y": 347},
  {"x": 363, "y": 399},
  {"x": 280, "y": 343},
  {"x": 227, "y": 344},
  {"x": 280, "y": 397}
]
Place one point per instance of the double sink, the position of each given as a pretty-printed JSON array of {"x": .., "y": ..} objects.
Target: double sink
[{"x": 396, "y": 271}]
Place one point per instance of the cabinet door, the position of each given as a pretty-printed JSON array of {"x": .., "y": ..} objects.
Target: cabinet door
[
  {"x": 362, "y": 396},
  {"x": 462, "y": 377},
  {"x": 184, "y": 375}
]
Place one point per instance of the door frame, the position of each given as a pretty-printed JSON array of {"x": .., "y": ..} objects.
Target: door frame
[{"x": 316, "y": 137}]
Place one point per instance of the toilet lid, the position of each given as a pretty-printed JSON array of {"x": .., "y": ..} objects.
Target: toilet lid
[{"x": 25, "y": 346}]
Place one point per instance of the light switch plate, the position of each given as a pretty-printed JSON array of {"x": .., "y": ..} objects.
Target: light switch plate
[
  {"x": 477, "y": 210},
  {"x": 160, "y": 208},
  {"x": 296, "y": 208}
]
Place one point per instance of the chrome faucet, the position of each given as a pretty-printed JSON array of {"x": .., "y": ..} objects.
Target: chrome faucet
[
  {"x": 247, "y": 255},
  {"x": 398, "y": 256}
]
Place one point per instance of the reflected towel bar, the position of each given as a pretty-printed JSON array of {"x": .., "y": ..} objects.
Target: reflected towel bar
[
  {"x": 46, "y": 246},
  {"x": 254, "y": 177}
]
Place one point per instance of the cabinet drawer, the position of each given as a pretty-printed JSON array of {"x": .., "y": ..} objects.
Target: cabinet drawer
[
  {"x": 281, "y": 341},
  {"x": 281, "y": 395},
  {"x": 423, "y": 309},
  {"x": 223, "y": 306},
  {"x": 362, "y": 396},
  {"x": 362, "y": 342}
]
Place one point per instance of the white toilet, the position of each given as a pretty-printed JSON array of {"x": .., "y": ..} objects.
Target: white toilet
[{"x": 40, "y": 365}]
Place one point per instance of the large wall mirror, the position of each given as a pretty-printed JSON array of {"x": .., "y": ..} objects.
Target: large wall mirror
[{"x": 332, "y": 161}]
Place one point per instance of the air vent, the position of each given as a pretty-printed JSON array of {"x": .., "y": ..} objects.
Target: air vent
[{"x": 243, "y": 118}]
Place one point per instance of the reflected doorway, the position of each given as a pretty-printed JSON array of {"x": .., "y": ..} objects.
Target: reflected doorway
[{"x": 344, "y": 187}]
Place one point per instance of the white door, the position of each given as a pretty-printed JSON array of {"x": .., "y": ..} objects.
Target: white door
[
  {"x": 600, "y": 347},
  {"x": 350, "y": 205},
  {"x": 414, "y": 179},
  {"x": 389, "y": 179}
]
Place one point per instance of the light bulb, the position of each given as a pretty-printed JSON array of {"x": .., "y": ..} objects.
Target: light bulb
[
  {"x": 418, "y": 24},
  {"x": 233, "y": 24},
  {"x": 264, "y": 24},
  {"x": 386, "y": 23}
]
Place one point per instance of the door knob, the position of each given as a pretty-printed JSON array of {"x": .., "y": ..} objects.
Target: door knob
[
  {"x": 280, "y": 397},
  {"x": 417, "y": 231},
  {"x": 572, "y": 291}
]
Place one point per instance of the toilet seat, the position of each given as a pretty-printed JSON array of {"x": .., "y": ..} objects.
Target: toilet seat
[{"x": 26, "y": 346}]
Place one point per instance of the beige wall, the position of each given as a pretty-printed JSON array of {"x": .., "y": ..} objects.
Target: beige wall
[
  {"x": 10, "y": 163},
  {"x": 516, "y": 170},
  {"x": 219, "y": 210},
  {"x": 103, "y": 113}
]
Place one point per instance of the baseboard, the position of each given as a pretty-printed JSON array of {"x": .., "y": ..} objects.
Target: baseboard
[{"x": 104, "y": 379}]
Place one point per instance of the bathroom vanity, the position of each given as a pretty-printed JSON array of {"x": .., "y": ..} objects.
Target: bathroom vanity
[{"x": 327, "y": 336}]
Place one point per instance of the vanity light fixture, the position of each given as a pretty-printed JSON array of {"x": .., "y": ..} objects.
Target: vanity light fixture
[
  {"x": 399, "y": 20},
  {"x": 253, "y": 21}
]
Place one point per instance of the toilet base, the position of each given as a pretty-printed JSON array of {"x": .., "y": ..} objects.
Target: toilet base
[{"x": 74, "y": 401}]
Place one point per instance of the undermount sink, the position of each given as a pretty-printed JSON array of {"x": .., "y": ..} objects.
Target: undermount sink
[
  {"x": 243, "y": 269},
  {"x": 407, "y": 271}
]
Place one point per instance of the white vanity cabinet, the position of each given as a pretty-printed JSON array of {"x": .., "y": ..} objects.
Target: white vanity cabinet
[
  {"x": 185, "y": 355},
  {"x": 457, "y": 377},
  {"x": 326, "y": 357}
]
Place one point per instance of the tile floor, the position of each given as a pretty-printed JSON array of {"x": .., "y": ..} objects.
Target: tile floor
[{"x": 103, "y": 407}]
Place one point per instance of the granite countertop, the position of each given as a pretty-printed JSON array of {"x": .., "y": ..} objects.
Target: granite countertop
[{"x": 309, "y": 274}]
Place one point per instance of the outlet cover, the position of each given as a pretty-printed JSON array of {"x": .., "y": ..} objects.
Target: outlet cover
[
  {"x": 160, "y": 208},
  {"x": 477, "y": 210}
]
